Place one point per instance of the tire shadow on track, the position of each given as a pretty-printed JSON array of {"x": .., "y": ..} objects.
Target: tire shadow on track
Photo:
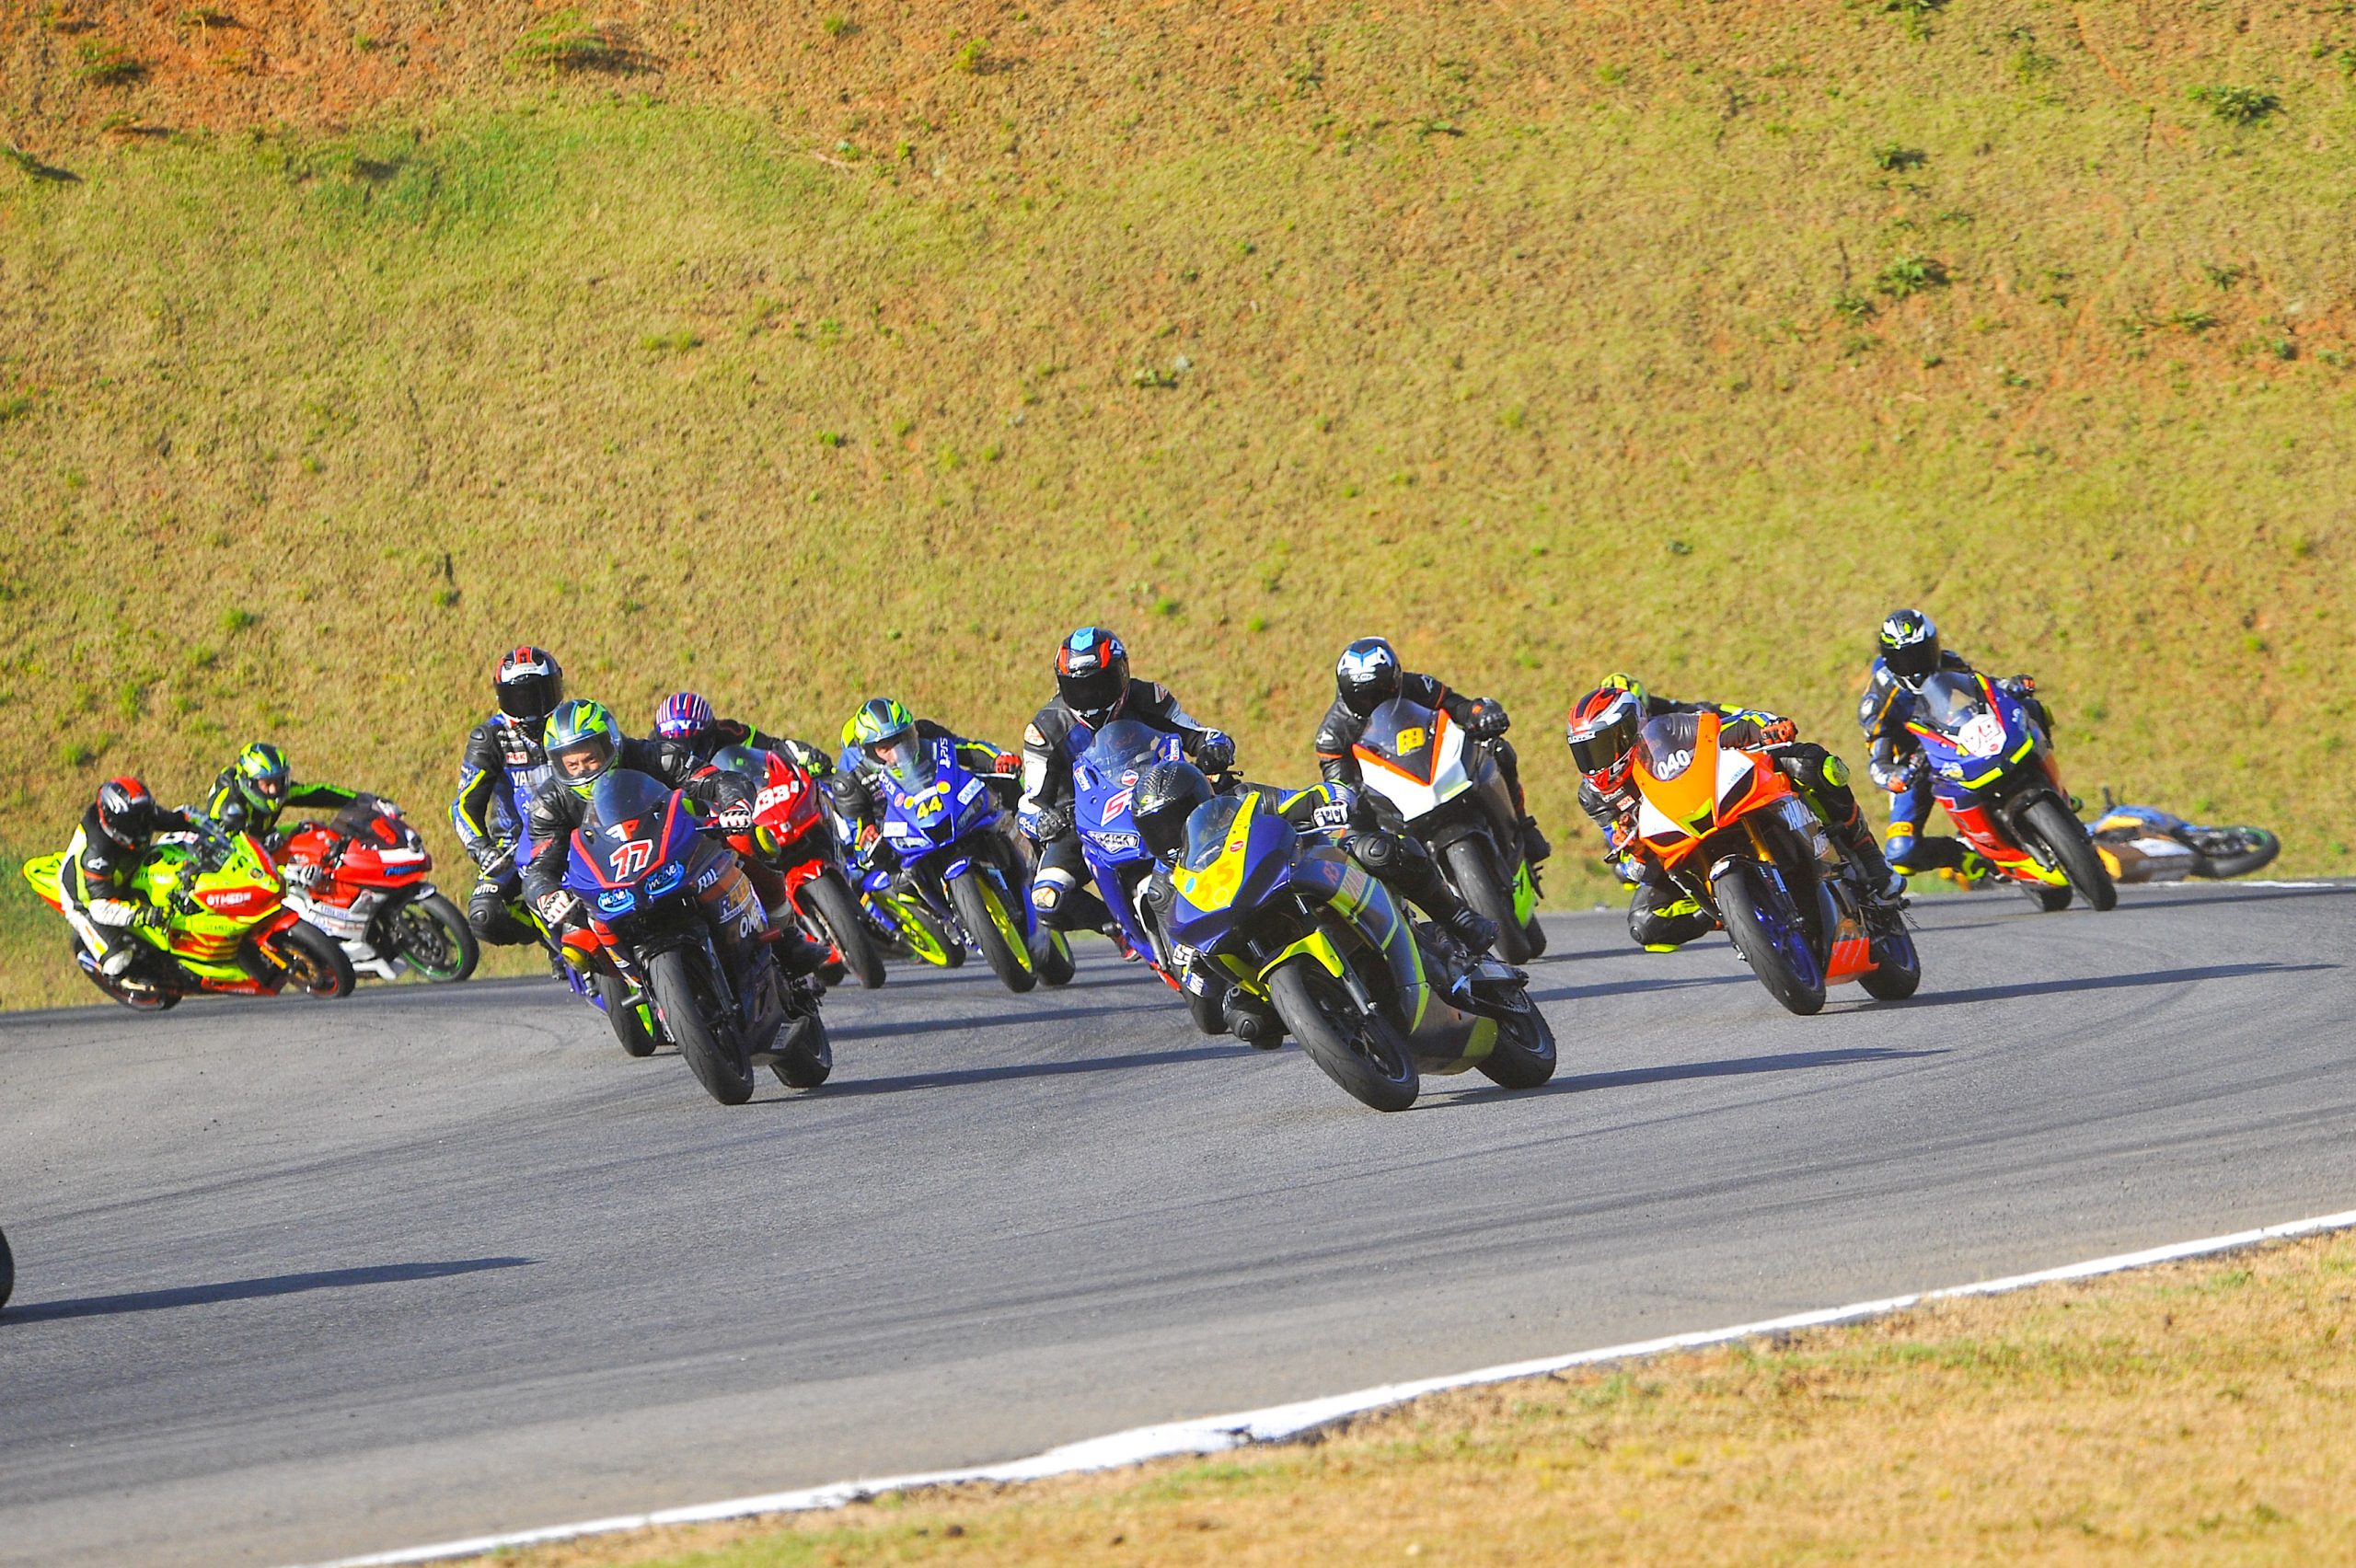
[
  {"x": 1150, "y": 1002},
  {"x": 2225, "y": 892},
  {"x": 2106, "y": 983},
  {"x": 1672, "y": 1072},
  {"x": 1624, "y": 988},
  {"x": 955, "y": 1078},
  {"x": 253, "y": 1289}
]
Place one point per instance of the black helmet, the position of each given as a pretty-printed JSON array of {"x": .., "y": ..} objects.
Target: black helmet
[
  {"x": 126, "y": 812},
  {"x": 1910, "y": 645},
  {"x": 529, "y": 683},
  {"x": 1092, "y": 675},
  {"x": 1366, "y": 674},
  {"x": 1165, "y": 796}
]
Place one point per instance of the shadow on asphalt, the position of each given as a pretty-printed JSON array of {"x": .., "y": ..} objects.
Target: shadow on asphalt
[
  {"x": 952, "y": 1077},
  {"x": 1623, "y": 987},
  {"x": 250, "y": 1290},
  {"x": 2226, "y": 892},
  {"x": 1153, "y": 1001},
  {"x": 1671, "y": 1072},
  {"x": 2110, "y": 982}
]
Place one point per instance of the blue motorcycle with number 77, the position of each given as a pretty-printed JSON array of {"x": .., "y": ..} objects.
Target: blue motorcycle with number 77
[{"x": 943, "y": 823}]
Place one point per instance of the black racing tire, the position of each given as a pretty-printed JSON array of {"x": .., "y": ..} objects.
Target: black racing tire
[
  {"x": 2065, "y": 838},
  {"x": 973, "y": 897},
  {"x": 716, "y": 1055},
  {"x": 2263, "y": 847},
  {"x": 316, "y": 963},
  {"x": 829, "y": 904},
  {"x": 636, "y": 1039},
  {"x": 2051, "y": 900},
  {"x": 1534, "y": 934},
  {"x": 1051, "y": 956},
  {"x": 1524, "y": 1056},
  {"x": 8, "y": 1270},
  {"x": 809, "y": 1059},
  {"x": 1897, "y": 967},
  {"x": 432, "y": 936},
  {"x": 1364, "y": 1054},
  {"x": 951, "y": 951},
  {"x": 154, "y": 1001},
  {"x": 1770, "y": 937},
  {"x": 1473, "y": 869}
]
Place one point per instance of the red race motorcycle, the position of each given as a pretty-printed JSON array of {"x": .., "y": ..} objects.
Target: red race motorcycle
[
  {"x": 792, "y": 841},
  {"x": 360, "y": 878}
]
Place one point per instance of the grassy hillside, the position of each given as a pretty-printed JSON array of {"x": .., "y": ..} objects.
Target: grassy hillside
[{"x": 807, "y": 354}]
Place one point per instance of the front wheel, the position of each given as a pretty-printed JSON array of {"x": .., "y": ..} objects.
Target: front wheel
[
  {"x": 807, "y": 1059},
  {"x": 1473, "y": 870},
  {"x": 2065, "y": 837},
  {"x": 633, "y": 1020},
  {"x": 832, "y": 906},
  {"x": 993, "y": 930},
  {"x": 433, "y": 937},
  {"x": 715, "y": 1053},
  {"x": 316, "y": 964},
  {"x": 2051, "y": 900},
  {"x": 1896, "y": 967},
  {"x": 1051, "y": 956},
  {"x": 1523, "y": 1056},
  {"x": 1770, "y": 937},
  {"x": 1362, "y": 1051},
  {"x": 2235, "y": 852}
]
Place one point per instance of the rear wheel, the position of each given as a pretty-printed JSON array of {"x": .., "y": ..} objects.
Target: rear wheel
[
  {"x": 714, "y": 1055},
  {"x": 1051, "y": 956},
  {"x": 1769, "y": 936},
  {"x": 1473, "y": 870},
  {"x": 433, "y": 937},
  {"x": 1524, "y": 1054},
  {"x": 2065, "y": 837},
  {"x": 1363, "y": 1053},
  {"x": 633, "y": 1021},
  {"x": 142, "y": 997},
  {"x": 993, "y": 930},
  {"x": 314, "y": 961},
  {"x": 1898, "y": 968},
  {"x": 807, "y": 1057},
  {"x": 830, "y": 904}
]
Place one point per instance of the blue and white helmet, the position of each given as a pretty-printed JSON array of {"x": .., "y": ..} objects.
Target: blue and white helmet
[{"x": 1366, "y": 674}]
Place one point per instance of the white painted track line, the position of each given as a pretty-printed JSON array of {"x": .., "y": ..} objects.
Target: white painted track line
[{"x": 1210, "y": 1434}]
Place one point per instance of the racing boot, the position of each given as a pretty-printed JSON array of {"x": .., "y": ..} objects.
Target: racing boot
[
  {"x": 1404, "y": 865},
  {"x": 1252, "y": 1021},
  {"x": 798, "y": 954},
  {"x": 1534, "y": 848},
  {"x": 1856, "y": 842},
  {"x": 784, "y": 917}
]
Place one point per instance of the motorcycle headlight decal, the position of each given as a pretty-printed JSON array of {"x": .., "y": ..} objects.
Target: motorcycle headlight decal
[
  {"x": 615, "y": 901},
  {"x": 666, "y": 878}
]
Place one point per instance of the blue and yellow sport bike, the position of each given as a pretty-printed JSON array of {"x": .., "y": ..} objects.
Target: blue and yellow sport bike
[
  {"x": 1291, "y": 920},
  {"x": 943, "y": 822}
]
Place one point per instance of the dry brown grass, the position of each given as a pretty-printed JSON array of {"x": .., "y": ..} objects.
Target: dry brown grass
[{"x": 2196, "y": 1414}]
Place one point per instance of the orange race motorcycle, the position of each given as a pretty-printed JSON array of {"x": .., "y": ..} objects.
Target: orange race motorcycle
[{"x": 1739, "y": 837}]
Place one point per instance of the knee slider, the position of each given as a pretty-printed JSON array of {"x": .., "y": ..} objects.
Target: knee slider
[{"x": 1378, "y": 852}]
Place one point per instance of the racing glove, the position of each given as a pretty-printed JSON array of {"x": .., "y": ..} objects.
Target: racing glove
[
  {"x": 1487, "y": 720},
  {"x": 1215, "y": 752},
  {"x": 1779, "y": 731},
  {"x": 554, "y": 908},
  {"x": 1007, "y": 765},
  {"x": 147, "y": 917},
  {"x": 868, "y": 837},
  {"x": 1050, "y": 823},
  {"x": 737, "y": 817}
]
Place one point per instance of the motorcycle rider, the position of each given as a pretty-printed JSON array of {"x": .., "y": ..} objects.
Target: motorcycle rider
[
  {"x": 686, "y": 716},
  {"x": 1908, "y": 654},
  {"x": 1602, "y": 731},
  {"x": 875, "y": 737},
  {"x": 95, "y": 880},
  {"x": 1369, "y": 674},
  {"x": 503, "y": 763},
  {"x": 1370, "y": 830},
  {"x": 1092, "y": 688},
  {"x": 583, "y": 744},
  {"x": 250, "y": 794}
]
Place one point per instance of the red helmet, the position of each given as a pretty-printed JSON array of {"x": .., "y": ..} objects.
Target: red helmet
[
  {"x": 1603, "y": 735},
  {"x": 529, "y": 683},
  {"x": 126, "y": 812}
]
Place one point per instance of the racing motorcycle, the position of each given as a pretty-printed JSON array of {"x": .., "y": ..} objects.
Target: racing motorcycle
[
  {"x": 672, "y": 913},
  {"x": 1102, "y": 780},
  {"x": 2143, "y": 844},
  {"x": 227, "y": 927},
  {"x": 1292, "y": 921},
  {"x": 361, "y": 878},
  {"x": 792, "y": 835},
  {"x": 1994, "y": 773},
  {"x": 1735, "y": 835},
  {"x": 943, "y": 823},
  {"x": 1449, "y": 787}
]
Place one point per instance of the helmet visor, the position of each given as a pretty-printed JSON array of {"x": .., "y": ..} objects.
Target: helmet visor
[
  {"x": 532, "y": 696},
  {"x": 1914, "y": 660},
  {"x": 267, "y": 788},
  {"x": 584, "y": 759},
  {"x": 1094, "y": 695}
]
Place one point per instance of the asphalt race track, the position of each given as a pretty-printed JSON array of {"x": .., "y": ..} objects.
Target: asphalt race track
[{"x": 297, "y": 1279}]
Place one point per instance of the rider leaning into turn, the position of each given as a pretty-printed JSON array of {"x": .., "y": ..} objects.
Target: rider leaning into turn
[
  {"x": 1908, "y": 655},
  {"x": 251, "y": 793},
  {"x": 1092, "y": 688},
  {"x": 875, "y": 738},
  {"x": 95, "y": 880},
  {"x": 1602, "y": 733},
  {"x": 1369, "y": 674},
  {"x": 686, "y": 716},
  {"x": 502, "y": 765}
]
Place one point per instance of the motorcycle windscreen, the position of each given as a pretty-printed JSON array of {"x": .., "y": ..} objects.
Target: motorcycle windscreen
[
  {"x": 1669, "y": 743},
  {"x": 1959, "y": 708},
  {"x": 1127, "y": 746},
  {"x": 1404, "y": 734},
  {"x": 910, "y": 764},
  {"x": 622, "y": 832}
]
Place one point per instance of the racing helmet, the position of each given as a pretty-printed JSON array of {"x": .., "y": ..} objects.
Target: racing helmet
[
  {"x": 261, "y": 775},
  {"x": 1603, "y": 735},
  {"x": 1092, "y": 675},
  {"x": 529, "y": 685},
  {"x": 1620, "y": 680},
  {"x": 1165, "y": 796},
  {"x": 684, "y": 715},
  {"x": 1366, "y": 674},
  {"x": 1910, "y": 645},
  {"x": 879, "y": 728},
  {"x": 126, "y": 812},
  {"x": 584, "y": 743}
]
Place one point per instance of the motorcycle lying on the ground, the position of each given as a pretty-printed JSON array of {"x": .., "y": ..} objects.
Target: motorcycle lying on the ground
[
  {"x": 1449, "y": 787},
  {"x": 2145, "y": 844},
  {"x": 1735, "y": 835},
  {"x": 792, "y": 838},
  {"x": 360, "y": 877},
  {"x": 1292, "y": 921},
  {"x": 1995, "y": 776},
  {"x": 227, "y": 927},
  {"x": 943, "y": 823},
  {"x": 672, "y": 914}
]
